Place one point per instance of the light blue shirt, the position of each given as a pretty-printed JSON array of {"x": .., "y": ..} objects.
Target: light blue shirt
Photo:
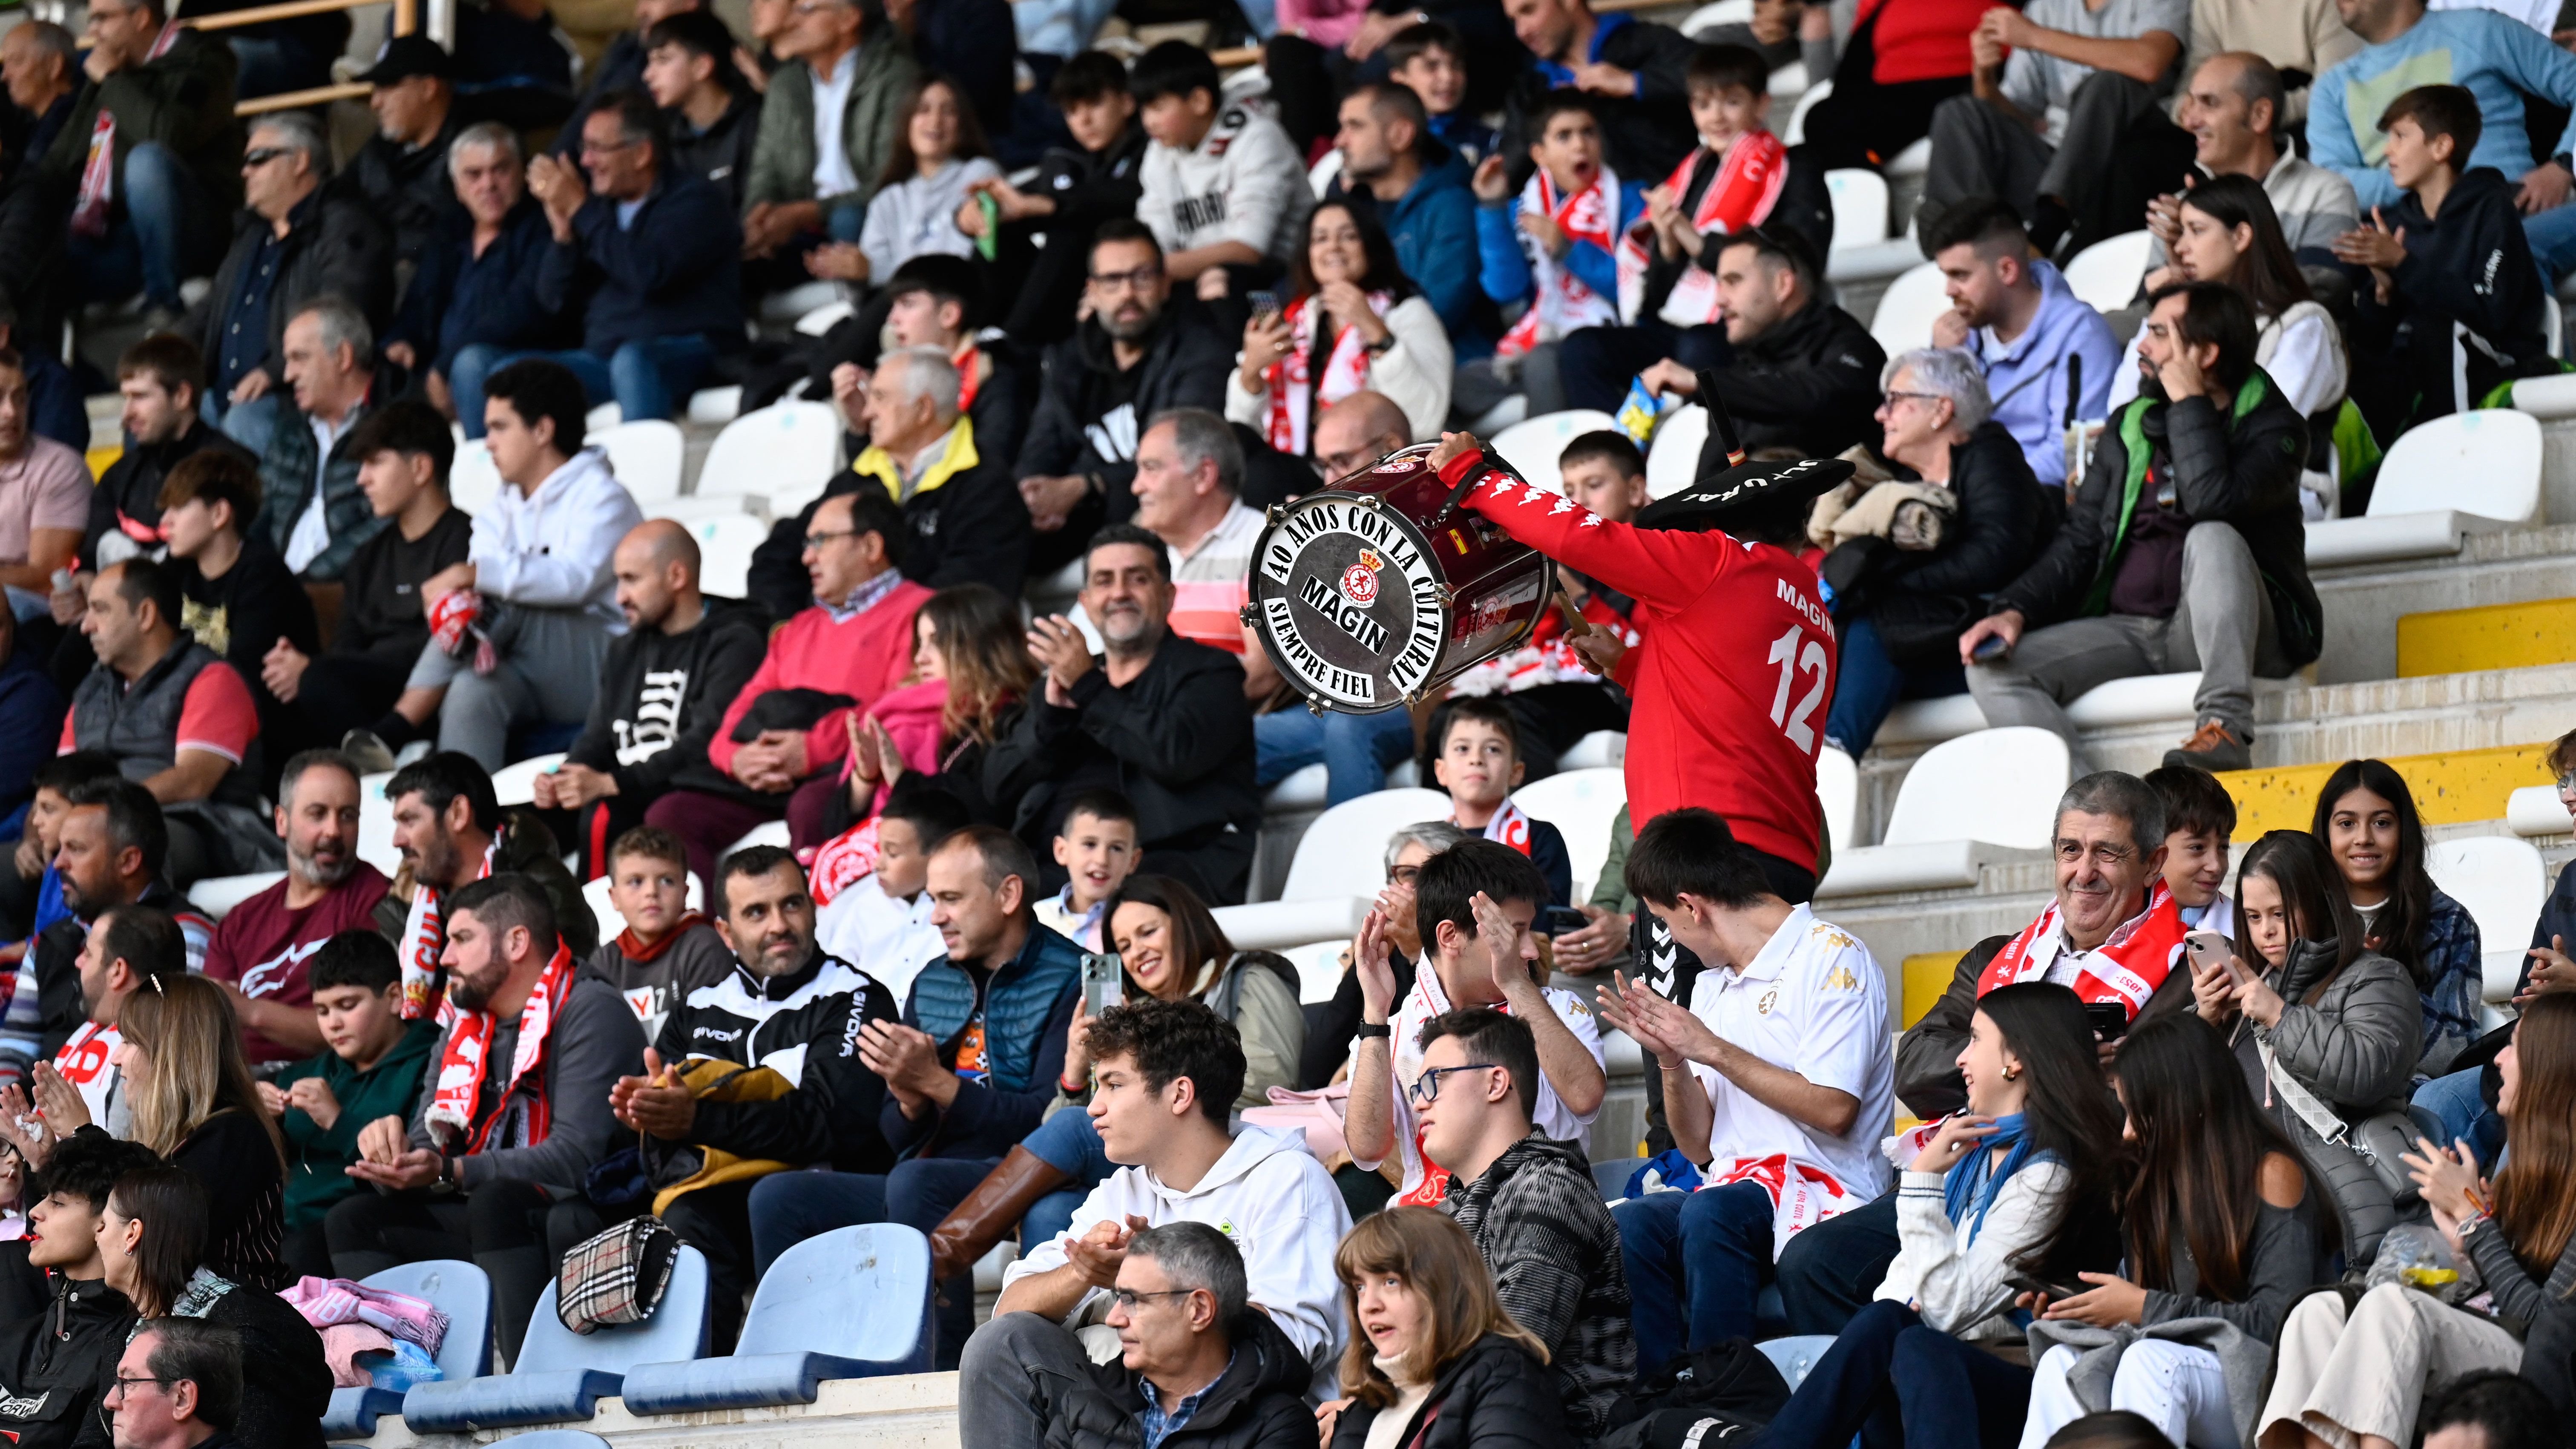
[
  {"x": 2498, "y": 59},
  {"x": 2027, "y": 376}
]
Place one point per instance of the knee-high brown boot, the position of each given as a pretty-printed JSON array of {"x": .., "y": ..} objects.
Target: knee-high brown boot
[{"x": 991, "y": 1211}]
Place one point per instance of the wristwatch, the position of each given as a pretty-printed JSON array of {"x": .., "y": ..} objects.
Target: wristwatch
[
  {"x": 1375, "y": 1029},
  {"x": 447, "y": 1177}
]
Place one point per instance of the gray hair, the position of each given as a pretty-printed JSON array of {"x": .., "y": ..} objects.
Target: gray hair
[
  {"x": 298, "y": 131},
  {"x": 1434, "y": 836},
  {"x": 928, "y": 372},
  {"x": 51, "y": 39},
  {"x": 1195, "y": 1255},
  {"x": 1950, "y": 372},
  {"x": 321, "y": 759},
  {"x": 2257, "y": 79},
  {"x": 341, "y": 324},
  {"x": 1201, "y": 438},
  {"x": 2123, "y": 796},
  {"x": 483, "y": 136}
]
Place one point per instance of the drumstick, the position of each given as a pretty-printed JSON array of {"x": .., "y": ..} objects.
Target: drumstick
[
  {"x": 1720, "y": 425},
  {"x": 1576, "y": 626}
]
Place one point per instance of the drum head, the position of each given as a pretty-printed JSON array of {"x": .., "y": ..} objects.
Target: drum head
[{"x": 1347, "y": 602}]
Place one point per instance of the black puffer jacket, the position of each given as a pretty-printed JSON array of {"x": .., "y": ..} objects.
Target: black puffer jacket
[
  {"x": 1493, "y": 1396},
  {"x": 1090, "y": 414},
  {"x": 2003, "y": 521},
  {"x": 52, "y": 1363},
  {"x": 1258, "y": 1403},
  {"x": 1809, "y": 383}
]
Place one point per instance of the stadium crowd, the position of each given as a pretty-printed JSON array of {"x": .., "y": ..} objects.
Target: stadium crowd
[{"x": 1099, "y": 318}]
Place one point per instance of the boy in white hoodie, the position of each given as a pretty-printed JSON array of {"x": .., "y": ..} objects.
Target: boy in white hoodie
[
  {"x": 1165, "y": 1074},
  {"x": 1223, "y": 186}
]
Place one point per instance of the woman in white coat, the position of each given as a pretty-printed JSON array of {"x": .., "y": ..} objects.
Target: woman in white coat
[{"x": 1352, "y": 322}]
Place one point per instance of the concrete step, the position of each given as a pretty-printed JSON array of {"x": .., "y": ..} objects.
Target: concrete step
[
  {"x": 2363, "y": 604},
  {"x": 2490, "y": 636}
]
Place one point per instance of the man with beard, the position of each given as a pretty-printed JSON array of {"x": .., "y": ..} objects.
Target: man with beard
[
  {"x": 1142, "y": 353},
  {"x": 451, "y": 833},
  {"x": 162, "y": 379},
  {"x": 514, "y": 1110},
  {"x": 1159, "y": 718},
  {"x": 788, "y": 1009},
  {"x": 262, "y": 948},
  {"x": 114, "y": 842}
]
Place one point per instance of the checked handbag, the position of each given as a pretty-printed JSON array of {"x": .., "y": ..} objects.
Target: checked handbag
[{"x": 617, "y": 1277}]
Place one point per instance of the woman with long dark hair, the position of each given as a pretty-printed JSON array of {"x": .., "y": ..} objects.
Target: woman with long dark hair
[
  {"x": 1432, "y": 1351},
  {"x": 2356, "y": 1376},
  {"x": 2366, "y": 819},
  {"x": 933, "y": 165},
  {"x": 2218, "y": 1223},
  {"x": 153, "y": 1239},
  {"x": 970, "y": 671},
  {"x": 2019, "y": 1185},
  {"x": 1351, "y": 322}
]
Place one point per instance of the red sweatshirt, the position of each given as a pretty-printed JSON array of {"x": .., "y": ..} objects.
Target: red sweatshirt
[
  {"x": 861, "y": 656},
  {"x": 1733, "y": 678}
]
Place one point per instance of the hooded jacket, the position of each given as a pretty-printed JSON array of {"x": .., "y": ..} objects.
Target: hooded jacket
[
  {"x": 1259, "y": 1402},
  {"x": 1809, "y": 382},
  {"x": 553, "y": 550},
  {"x": 1433, "y": 226},
  {"x": 1241, "y": 183},
  {"x": 660, "y": 699},
  {"x": 2240, "y": 467},
  {"x": 2471, "y": 266},
  {"x": 805, "y": 1026},
  {"x": 1269, "y": 1195},
  {"x": 51, "y": 1365},
  {"x": 1090, "y": 413},
  {"x": 1493, "y": 1396},
  {"x": 1539, "y": 1223},
  {"x": 317, "y": 1156}
]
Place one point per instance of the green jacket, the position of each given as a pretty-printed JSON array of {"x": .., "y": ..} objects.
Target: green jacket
[
  {"x": 184, "y": 100},
  {"x": 316, "y": 1158},
  {"x": 782, "y": 156}
]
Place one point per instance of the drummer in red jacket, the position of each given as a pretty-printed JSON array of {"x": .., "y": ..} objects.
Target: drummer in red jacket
[{"x": 1736, "y": 669}]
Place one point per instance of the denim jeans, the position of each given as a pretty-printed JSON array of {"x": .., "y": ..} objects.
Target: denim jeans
[
  {"x": 1868, "y": 684},
  {"x": 642, "y": 377},
  {"x": 1695, "y": 1264},
  {"x": 2552, "y": 235},
  {"x": 1069, "y": 1143},
  {"x": 1357, "y": 749},
  {"x": 789, "y": 1207},
  {"x": 144, "y": 248},
  {"x": 2462, "y": 1106},
  {"x": 252, "y": 424},
  {"x": 1893, "y": 1381},
  {"x": 1830, "y": 1272}
]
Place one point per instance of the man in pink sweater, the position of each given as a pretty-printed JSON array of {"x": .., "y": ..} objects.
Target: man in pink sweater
[{"x": 786, "y": 735}]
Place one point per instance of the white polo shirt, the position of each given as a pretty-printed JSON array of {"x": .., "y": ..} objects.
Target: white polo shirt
[
  {"x": 1815, "y": 1003},
  {"x": 1426, "y": 1182}
]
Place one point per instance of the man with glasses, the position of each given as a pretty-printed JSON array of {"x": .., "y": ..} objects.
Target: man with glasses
[
  {"x": 2113, "y": 934},
  {"x": 781, "y": 738},
  {"x": 1530, "y": 1203},
  {"x": 1164, "y": 1077},
  {"x": 1189, "y": 494},
  {"x": 301, "y": 239},
  {"x": 1140, "y": 353},
  {"x": 179, "y": 1386},
  {"x": 55, "y": 1352}
]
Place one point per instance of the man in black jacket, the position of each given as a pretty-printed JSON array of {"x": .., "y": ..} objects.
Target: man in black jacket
[
  {"x": 620, "y": 68},
  {"x": 1077, "y": 189},
  {"x": 1158, "y": 717},
  {"x": 1798, "y": 371},
  {"x": 57, "y": 1350},
  {"x": 238, "y": 597},
  {"x": 788, "y": 1008},
  {"x": 1142, "y": 353},
  {"x": 161, "y": 378},
  {"x": 1632, "y": 70},
  {"x": 714, "y": 117},
  {"x": 402, "y": 170},
  {"x": 302, "y": 239},
  {"x": 662, "y": 694},
  {"x": 2184, "y": 550}
]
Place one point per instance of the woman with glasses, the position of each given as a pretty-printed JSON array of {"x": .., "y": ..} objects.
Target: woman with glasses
[
  {"x": 1434, "y": 1361},
  {"x": 1352, "y": 322},
  {"x": 153, "y": 1240},
  {"x": 2325, "y": 1029},
  {"x": 2366, "y": 820},
  {"x": 1972, "y": 520}
]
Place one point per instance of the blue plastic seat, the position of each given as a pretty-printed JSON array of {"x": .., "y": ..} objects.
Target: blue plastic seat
[
  {"x": 852, "y": 1303},
  {"x": 1795, "y": 1357},
  {"x": 462, "y": 1292},
  {"x": 561, "y": 1374}
]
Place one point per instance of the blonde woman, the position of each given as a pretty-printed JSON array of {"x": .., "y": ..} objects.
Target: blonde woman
[
  {"x": 194, "y": 1104},
  {"x": 1434, "y": 1362}
]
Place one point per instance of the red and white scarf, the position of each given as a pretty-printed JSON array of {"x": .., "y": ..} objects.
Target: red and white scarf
[
  {"x": 98, "y": 173},
  {"x": 2126, "y": 968},
  {"x": 1294, "y": 391},
  {"x": 468, "y": 1054},
  {"x": 425, "y": 937},
  {"x": 1510, "y": 826},
  {"x": 1802, "y": 1194},
  {"x": 1741, "y": 194},
  {"x": 842, "y": 861},
  {"x": 1563, "y": 304}
]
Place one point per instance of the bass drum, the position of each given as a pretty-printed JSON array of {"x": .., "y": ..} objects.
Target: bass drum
[{"x": 1371, "y": 594}]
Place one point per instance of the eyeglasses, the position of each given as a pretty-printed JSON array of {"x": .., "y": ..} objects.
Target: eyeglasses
[
  {"x": 1926, "y": 398},
  {"x": 253, "y": 160},
  {"x": 1329, "y": 466},
  {"x": 1403, "y": 875},
  {"x": 1135, "y": 281},
  {"x": 608, "y": 148},
  {"x": 1426, "y": 1088},
  {"x": 2105, "y": 857},
  {"x": 817, "y": 540},
  {"x": 1128, "y": 1298},
  {"x": 122, "y": 1385},
  {"x": 116, "y": 1392}
]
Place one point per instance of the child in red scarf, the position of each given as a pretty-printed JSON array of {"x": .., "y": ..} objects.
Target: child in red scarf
[{"x": 667, "y": 950}]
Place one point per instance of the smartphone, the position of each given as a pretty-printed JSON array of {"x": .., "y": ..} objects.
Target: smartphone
[
  {"x": 2025, "y": 1283},
  {"x": 1263, "y": 303},
  {"x": 1557, "y": 920},
  {"x": 2110, "y": 1019},
  {"x": 2208, "y": 949},
  {"x": 1104, "y": 982},
  {"x": 1990, "y": 648}
]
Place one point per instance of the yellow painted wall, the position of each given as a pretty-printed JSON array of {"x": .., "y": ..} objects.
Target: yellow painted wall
[
  {"x": 2451, "y": 788},
  {"x": 2497, "y": 636},
  {"x": 1927, "y": 974}
]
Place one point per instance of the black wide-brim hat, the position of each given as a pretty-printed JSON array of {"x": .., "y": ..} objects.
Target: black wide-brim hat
[{"x": 1728, "y": 485}]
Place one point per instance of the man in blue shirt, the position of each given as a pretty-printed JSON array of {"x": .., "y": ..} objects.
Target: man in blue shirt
[
  {"x": 477, "y": 286},
  {"x": 1419, "y": 191},
  {"x": 2037, "y": 341}
]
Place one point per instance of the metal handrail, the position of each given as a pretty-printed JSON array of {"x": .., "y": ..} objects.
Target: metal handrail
[{"x": 406, "y": 20}]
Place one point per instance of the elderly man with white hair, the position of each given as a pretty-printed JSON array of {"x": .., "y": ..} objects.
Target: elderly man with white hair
[
  {"x": 299, "y": 240},
  {"x": 1918, "y": 555},
  {"x": 477, "y": 284}
]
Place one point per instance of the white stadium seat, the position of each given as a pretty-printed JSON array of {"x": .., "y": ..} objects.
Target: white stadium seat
[
  {"x": 1986, "y": 796},
  {"x": 2534, "y": 810},
  {"x": 1860, "y": 206},
  {"x": 1722, "y": 12},
  {"x": 1580, "y": 804},
  {"x": 603, "y": 417},
  {"x": 376, "y": 825},
  {"x": 2485, "y": 463},
  {"x": 1673, "y": 462},
  {"x": 217, "y": 895},
  {"x": 645, "y": 456},
  {"x": 1906, "y": 309},
  {"x": 716, "y": 404},
  {"x": 772, "y": 832},
  {"x": 1796, "y": 130},
  {"x": 725, "y": 546},
  {"x": 2106, "y": 274},
  {"x": 472, "y": 481},
  {"x": 782, "y": 448},
  {"x": 824, "y": 318},
  {"x": 2503, "y": 882},
  {"x": 1320, "y": 175},
  {"x": 516, "y": 783},
  {"x": 1533, "y": 446},
  {"x": 1838, "y": 790},
  {"x": 1344, "y": 852}
]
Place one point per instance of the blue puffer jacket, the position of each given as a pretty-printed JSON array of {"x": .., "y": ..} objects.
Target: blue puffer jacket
[{"x": 1027, "y": 1004}]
